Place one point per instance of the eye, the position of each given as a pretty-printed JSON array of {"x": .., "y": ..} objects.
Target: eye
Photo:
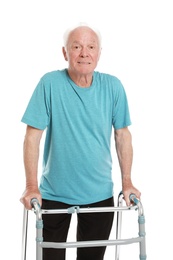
[{"x": 76, "y": 47}]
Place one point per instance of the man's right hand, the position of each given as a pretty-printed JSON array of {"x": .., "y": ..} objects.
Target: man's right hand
[{"x": 28, "y": 195}]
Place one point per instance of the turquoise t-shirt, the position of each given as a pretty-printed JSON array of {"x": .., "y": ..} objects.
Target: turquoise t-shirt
[{"x": 77, "y": 162}]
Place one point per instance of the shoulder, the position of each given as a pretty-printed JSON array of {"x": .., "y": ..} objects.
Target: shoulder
[
  {"x": 108, "y": 80},
  {"x": 52, "y": 76},
  {"x": 107, "y": 77}
]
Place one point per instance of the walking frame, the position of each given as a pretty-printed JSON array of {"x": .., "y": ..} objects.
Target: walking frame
[{"x": 40, "y": 244}]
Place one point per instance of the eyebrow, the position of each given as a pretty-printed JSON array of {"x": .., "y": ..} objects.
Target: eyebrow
[{"x": 77, "y": 42}]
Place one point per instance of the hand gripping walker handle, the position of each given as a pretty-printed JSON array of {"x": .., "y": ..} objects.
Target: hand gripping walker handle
[
  {"x": 34, "y": 203},
  {"x": 133, "y": 198}
]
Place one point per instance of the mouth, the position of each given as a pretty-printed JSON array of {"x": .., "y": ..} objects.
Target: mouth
[{"x": 84, "y": 63}]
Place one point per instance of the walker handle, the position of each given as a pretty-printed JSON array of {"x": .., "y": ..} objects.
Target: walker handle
[
  {"x": 133, "y": 198},
  {"x": 34, "y": 203},
  {"x": 37, "y": 208}
]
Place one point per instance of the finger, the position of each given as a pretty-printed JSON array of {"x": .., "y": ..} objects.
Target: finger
[{"x": 127, "y": 200}]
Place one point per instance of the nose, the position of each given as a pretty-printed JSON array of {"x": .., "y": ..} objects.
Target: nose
[{"x": 84, "y": 52}]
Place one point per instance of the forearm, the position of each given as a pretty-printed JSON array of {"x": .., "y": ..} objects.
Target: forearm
[
  {"x": 31, "y": 157},
  {"x": 123, "y": 141}
]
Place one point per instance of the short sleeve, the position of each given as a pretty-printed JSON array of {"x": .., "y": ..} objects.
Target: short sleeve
[
  {"x": 37, "y": 113},
  {"x": 121, "y": 114}
]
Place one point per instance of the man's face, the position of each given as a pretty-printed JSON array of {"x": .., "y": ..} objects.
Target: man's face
[{"x": 82, "y": 51}]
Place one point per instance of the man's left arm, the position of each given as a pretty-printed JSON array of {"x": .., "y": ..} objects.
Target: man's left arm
[{"x": 123, "y": 144}]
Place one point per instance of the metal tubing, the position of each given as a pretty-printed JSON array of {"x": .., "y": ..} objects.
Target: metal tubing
[
  {"x": 118, "y": 224},
  {"x": 142, "y": 244},
  {"x": 40, "y": 244},
  {"x": 39, "y": 228},
  {"x": 24, "y": 233},
  {"x": 88, "y": 210},
  {"x": 39, "y": 238},
  {"x": 96, "y": 243},
  {"x": 141, "y": 221}
]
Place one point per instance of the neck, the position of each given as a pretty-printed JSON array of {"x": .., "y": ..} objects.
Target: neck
[{"x": 82, "y": 80}]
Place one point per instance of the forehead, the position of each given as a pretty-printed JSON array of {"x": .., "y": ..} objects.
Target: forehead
[{"x": 83, "y": 34}]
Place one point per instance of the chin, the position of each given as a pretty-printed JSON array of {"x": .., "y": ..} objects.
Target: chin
[{"x": 85, "y": 70}]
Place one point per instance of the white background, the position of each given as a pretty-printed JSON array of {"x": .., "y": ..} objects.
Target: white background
[{"x": 138, "y": 49}]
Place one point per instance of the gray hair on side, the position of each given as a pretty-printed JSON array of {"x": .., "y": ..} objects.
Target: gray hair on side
[{"x": 69, "y": 30}]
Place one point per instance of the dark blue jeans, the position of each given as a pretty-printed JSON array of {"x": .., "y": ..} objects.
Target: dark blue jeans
[{"x": 90, "y": 226}]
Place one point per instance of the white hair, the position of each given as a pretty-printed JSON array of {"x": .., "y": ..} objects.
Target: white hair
[{"x": 69, "y": 30}]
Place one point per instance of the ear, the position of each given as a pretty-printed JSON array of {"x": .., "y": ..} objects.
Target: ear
[{"x": 64, "y": 53}]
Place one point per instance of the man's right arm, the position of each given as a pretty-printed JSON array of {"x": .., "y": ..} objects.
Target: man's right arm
[{"x": 31, "y": 158}]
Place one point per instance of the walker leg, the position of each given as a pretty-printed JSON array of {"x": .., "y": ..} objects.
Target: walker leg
[
  {"x": 39, "y": 239},
  {"x": 142, "y": 245},
  {"x": 118, "y": 225},
  {"x": 24, "y": 233}
]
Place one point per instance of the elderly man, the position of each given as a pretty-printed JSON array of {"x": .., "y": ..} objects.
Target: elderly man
[{"x": 78, "y": 107}]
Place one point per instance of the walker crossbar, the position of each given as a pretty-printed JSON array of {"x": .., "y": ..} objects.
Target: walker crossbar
[
  {"x": 76, "y": 209},
  {"x": 95, "y": 243},
  {"x": 40, "y": 243}
]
